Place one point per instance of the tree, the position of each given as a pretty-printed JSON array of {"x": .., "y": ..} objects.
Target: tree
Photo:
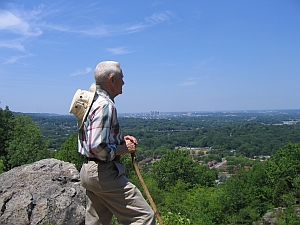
[
  {"x": 286, "y": 163},
  {"x": 25, "y": 144},
  {"x": 283, "y": 170},
  {"x": 2, "y": 167},
  {"x": 5, "y": 117},
  {"x": 177, "y": 165},
  {"x": 281, "y": 189},
  {"x": 236, "y": 192},
  {"x": 174, "y": 165},
  {"x": 69, "y": 152},
  {"x": 260, "y": 188}
]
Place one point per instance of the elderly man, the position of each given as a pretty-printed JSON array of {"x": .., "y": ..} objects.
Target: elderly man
[{"x": 109, "y": 192}]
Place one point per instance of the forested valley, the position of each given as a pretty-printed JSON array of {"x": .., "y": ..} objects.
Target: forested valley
[{"x": 260, "y": 151}]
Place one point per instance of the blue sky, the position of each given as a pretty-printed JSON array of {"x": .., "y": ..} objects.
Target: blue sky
[{"x": 196, "y": 55}]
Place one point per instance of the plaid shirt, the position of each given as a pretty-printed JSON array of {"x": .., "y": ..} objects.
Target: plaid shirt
[{"x": 101, "y": 132}]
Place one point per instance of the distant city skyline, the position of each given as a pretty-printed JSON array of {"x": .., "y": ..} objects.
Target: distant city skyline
[
  {"x": 196, "y": 56},
  {"x": 294, "y": 114}
]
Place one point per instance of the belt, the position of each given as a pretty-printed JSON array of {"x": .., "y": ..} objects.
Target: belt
[{"x": 87, "y": 159}]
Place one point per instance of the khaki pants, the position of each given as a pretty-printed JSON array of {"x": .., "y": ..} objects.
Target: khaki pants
[{"x": 110, "y": 193}]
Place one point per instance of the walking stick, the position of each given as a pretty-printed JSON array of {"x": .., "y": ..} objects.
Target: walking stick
[{"x": 134, "y": 162}]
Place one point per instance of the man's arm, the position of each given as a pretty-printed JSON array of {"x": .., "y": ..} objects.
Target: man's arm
[{"x": 99, "y": 135}]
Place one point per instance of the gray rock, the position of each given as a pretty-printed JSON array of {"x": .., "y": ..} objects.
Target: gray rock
[{"x": 47, "y": 191}]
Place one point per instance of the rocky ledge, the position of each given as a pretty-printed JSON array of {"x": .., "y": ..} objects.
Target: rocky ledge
[{"x": 45, "y": 192}]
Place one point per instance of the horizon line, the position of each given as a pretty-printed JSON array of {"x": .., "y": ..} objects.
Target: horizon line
[{"x": 165, "y": 112}]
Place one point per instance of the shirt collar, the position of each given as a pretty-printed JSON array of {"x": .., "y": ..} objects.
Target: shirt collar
[{"x": 105, "y": 94}]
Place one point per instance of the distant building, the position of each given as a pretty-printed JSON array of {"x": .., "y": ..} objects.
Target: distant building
[
  {"x": 147, "y": 160},
  {"x": 154, "y": 113}
]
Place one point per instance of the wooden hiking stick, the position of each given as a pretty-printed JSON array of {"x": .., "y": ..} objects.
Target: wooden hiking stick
[{"x": 134, "y": 162}]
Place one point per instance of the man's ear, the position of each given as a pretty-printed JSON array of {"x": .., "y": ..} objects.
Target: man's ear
[{"x": 112, "y": 79}]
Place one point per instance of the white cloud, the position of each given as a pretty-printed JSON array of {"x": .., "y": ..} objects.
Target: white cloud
[
  {"x": 16, "y": 58},
  {"x": 82, "y": 72},
  {"x": 108, "y": 30},
  {"x": 14, "y": 44},
  {"x": 93, "y": 4},
  {"x": 159, "y": 17},
  {"x": 59, "y": 27},
  {"x": 189, "y": 82},
  {"x": 105, "y": 30},
  {"x": 156, "y": 3},
  {"x": 17, "y": 23},
  {"x": 135, "y": 28},
  {"x": 13, "y": 59},
  {"x": 29, "y": 23},
  {"x": 99, "y": 30},
  {"x": 17, "y": 26},
  {"x": 20, "y": 25},
  {"x": 118, "y": 51}
]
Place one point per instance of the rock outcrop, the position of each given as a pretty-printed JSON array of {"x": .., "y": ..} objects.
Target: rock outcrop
[
  {"x": 45, "y": 192},
  {"x": 271, "y": 218}
]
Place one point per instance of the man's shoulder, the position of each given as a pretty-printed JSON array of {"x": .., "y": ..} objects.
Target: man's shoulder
[{"x": 103, "y": 99}]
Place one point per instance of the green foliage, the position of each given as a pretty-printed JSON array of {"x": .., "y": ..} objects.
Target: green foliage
[
  {"x": 246, "y": 196},
  {"x": 48, "y": 223},
  {"x": 21, "y": 141},
  {"x": 238, "y": 161},
  {"x": 175, "y": 219},
  {"x": 250, "y": 134},
  {"x": 25, "y": 144},
  {"x": 260, "y": 188},
  {"x": 281, "y": 189},
  {"x": 248, "y": 139},
  {"x": 2, "y": 167},
  {"x": 127, "y": 161},
  {"x": 249, "y": 194},
  {"x": 175, "y": 204},
  {"x": 236, "y": 193},
  {"x": 184, "y": 191},
  {"x": 55, "y": 128},
  {"x": 288, "y": 217},
  {"x": 69, "y": 152},
  {"x": 284, "y": 170},
  {"x": 286, "y": 163},
  {"x": 174, "y": 211},
  {"x": 5, "y": 117},
  {"x": 177, "y": 165},
  {"x": 115, "y": 221},
  {"x": 296, "y": 185},
  {"x": 204, "y": 206}
]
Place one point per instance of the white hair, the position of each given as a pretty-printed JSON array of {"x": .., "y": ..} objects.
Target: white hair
[{"x": 105, "y": 69}]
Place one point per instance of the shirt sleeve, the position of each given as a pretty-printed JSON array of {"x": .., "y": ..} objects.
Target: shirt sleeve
[{"x": 100, "y": 142}]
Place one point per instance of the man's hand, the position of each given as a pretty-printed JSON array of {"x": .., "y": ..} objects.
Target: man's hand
[
  {"x": 130, "y": 146},
  {"x": 131, "y": 138}
]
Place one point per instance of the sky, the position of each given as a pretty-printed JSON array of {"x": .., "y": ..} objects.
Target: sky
[{"x": 176, "y": 56}]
